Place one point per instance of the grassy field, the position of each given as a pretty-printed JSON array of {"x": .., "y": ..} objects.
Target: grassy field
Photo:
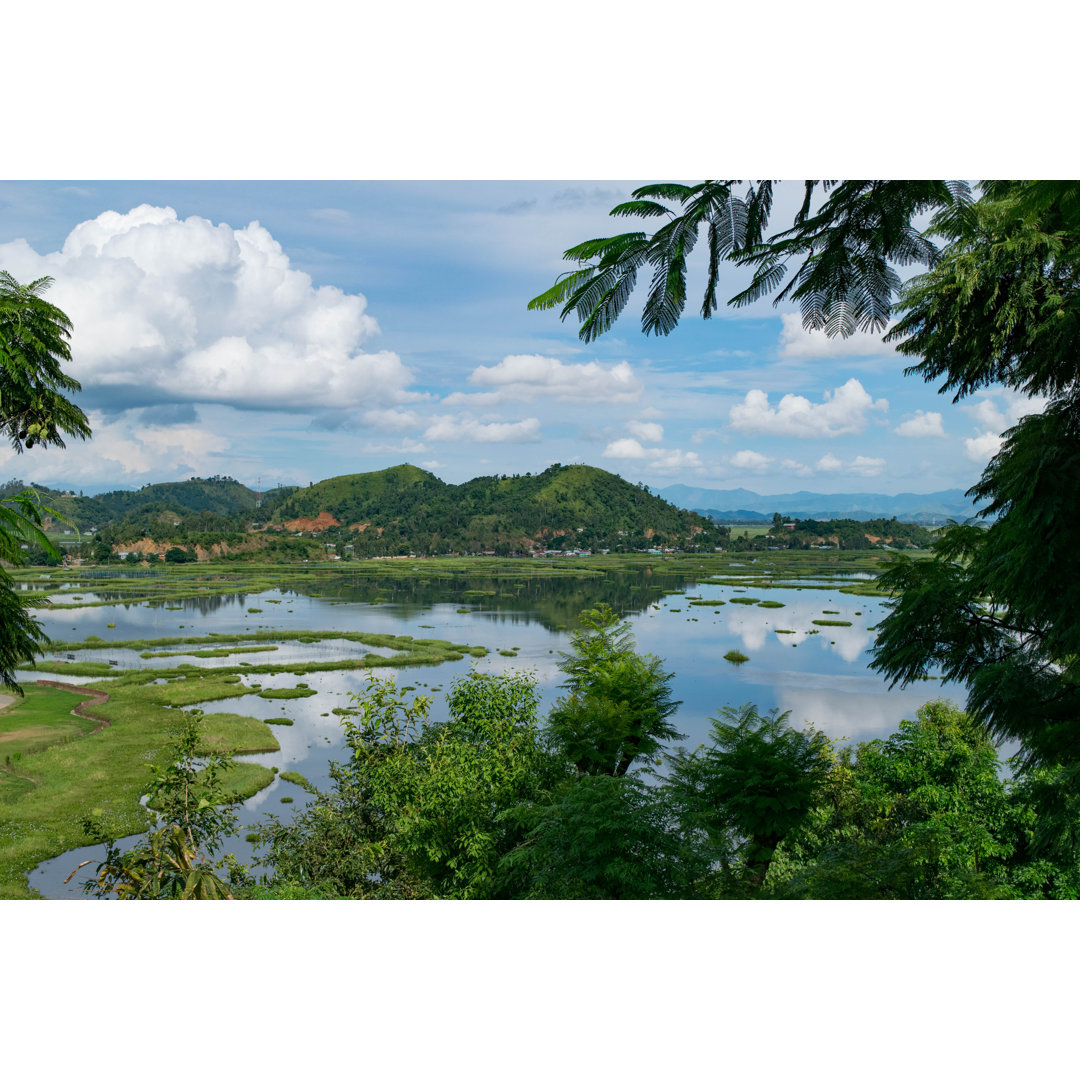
[{"x": 48, "y": 789}]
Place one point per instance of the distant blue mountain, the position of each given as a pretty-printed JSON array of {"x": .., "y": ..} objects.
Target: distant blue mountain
[{"x": 739, "y": 504}]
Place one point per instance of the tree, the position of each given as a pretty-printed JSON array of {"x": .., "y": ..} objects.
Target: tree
[
  {"x": 618, "y": 702},
  {"x": 33, "y": 411},
  {"x": 173, "y": 860},
  {"x": 421, "y": 810},
  {"x": 995, "y": 607},
  {"x": 921, "y": 815},
  {"x": 754, "y": 783}
]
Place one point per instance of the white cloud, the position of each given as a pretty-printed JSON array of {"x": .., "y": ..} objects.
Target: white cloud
[
  {"x": 981, "y": 448},
  {"x": 181, "y": 309},
  {"x": 866, "y": 466},
  {"x": 994, "y": 412},
  {"x": 467, "y": 429},
  {"x": 523, "y": 378},
  {"x": 658, "y": 458},
  {"x": 646, "y": 432},
  {"x": 922, "y": 425},
  {"x": 843, "y": 412},
  {"x": 796, "y": 467},
  {"x": 750, "y": 461},
  {"x": 391, "y": 419},
  {"x": 829, "y": 463},
  {"x": 797, "y": 342},
  {"x": 123, "y": 452}
]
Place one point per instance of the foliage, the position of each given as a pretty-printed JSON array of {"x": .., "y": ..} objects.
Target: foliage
[
  {"x": 920, "y": 815},
  {"x": 172, "y": 861},
  {"x": 33, "y": 344},
  {"x": 850, "y": 246},
  {"x": 33, "y": 411},
  {"x": 606, "y": 838},
  {"x": 618, "y": 702},
  {"x": 993, "y": 609},
  {"x": 418, "y": 809},
  {"x": 754, "y": 783}
]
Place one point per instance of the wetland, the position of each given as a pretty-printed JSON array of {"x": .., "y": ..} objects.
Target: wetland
[{"x": 271, "y": 655}]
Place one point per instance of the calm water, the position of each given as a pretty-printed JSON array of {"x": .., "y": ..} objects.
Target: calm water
[{"x": 821, "y": 677}]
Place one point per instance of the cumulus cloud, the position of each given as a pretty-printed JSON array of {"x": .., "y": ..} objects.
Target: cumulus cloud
[
  {"x": 525, "y": 377},
  {"x": 795, "y": 342},
  {"x": 922, "y": 425},
  {"x": 796, "y": 467},
  {"x": 858, "y": 466},
  {"x": 843, "y": 412},
  {"x": 646, "y": 431},
  {"x": 994, "y": 412},
  {"x": 658, "y": 458},
  {"x": 123, "y": 453},
  {"x": 170, "y": 309},
  {"x": 467, "y": 429},
  {"x": 750, "y": 461},
  {"x": 866, "y": 466}
]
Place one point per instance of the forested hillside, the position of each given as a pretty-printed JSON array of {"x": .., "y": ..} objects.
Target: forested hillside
[{"x": 404, "y": 509}]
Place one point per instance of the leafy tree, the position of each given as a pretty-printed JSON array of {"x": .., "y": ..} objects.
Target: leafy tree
[
  {"x": 999, "y": 305},
  {"x": 921, "y": 815},
  {"x": 173, "y": 859},
  {"x": 753, "y": 784},
  {"x": 618, "y": 702},
  {"x": 994, "y": 608},
  {"x": 33, "y": 411},
  {"x": 21, "y": 636},
  {"x": 606, "y": 838},
  {"x": 419, "y": 810}
]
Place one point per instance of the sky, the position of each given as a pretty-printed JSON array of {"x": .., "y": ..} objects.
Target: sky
[{"x": 284, "y": 332}]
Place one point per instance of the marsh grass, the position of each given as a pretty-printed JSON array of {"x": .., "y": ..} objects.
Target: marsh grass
[
  {"x": 736, "y": 657},
  {"x": 287, "y": 692},
  {"x": 830, "y": 622},
  {"x": 107, "y": 771},
  {"x": 299, "y": 779}
]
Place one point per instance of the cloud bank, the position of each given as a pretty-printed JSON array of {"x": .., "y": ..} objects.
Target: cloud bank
[
  {"x": 170, "y": 309},
  {"x": 843, "y": 412}
]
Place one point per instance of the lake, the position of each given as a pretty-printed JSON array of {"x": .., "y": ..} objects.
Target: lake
[{"x": 818, "y": 673}]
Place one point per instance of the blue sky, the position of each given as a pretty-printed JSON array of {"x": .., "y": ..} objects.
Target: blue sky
[{"x": 361, "y": 324}]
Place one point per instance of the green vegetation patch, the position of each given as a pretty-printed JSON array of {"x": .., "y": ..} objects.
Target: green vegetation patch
[
  {"x": 299, "y": 779},
  {"x": 745, "y": 600},
  {"x": 770, "y": 604},
  {"x": 288, "y": 692},
  {"x": 281, "y": 721},
  {"x": 707, "y": 603},
  {"x": 219, "y": 731},
  {"x": 830, "y": 622},
  {"x": 736, "y": 657},
  {"x": 784, "y": 631}
]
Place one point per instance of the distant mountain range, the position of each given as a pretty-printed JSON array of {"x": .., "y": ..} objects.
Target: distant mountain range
[{"x": 739, "y": 504}]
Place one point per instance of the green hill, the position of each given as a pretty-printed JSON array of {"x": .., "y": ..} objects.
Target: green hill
[{"x": 405, "y": 509}]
